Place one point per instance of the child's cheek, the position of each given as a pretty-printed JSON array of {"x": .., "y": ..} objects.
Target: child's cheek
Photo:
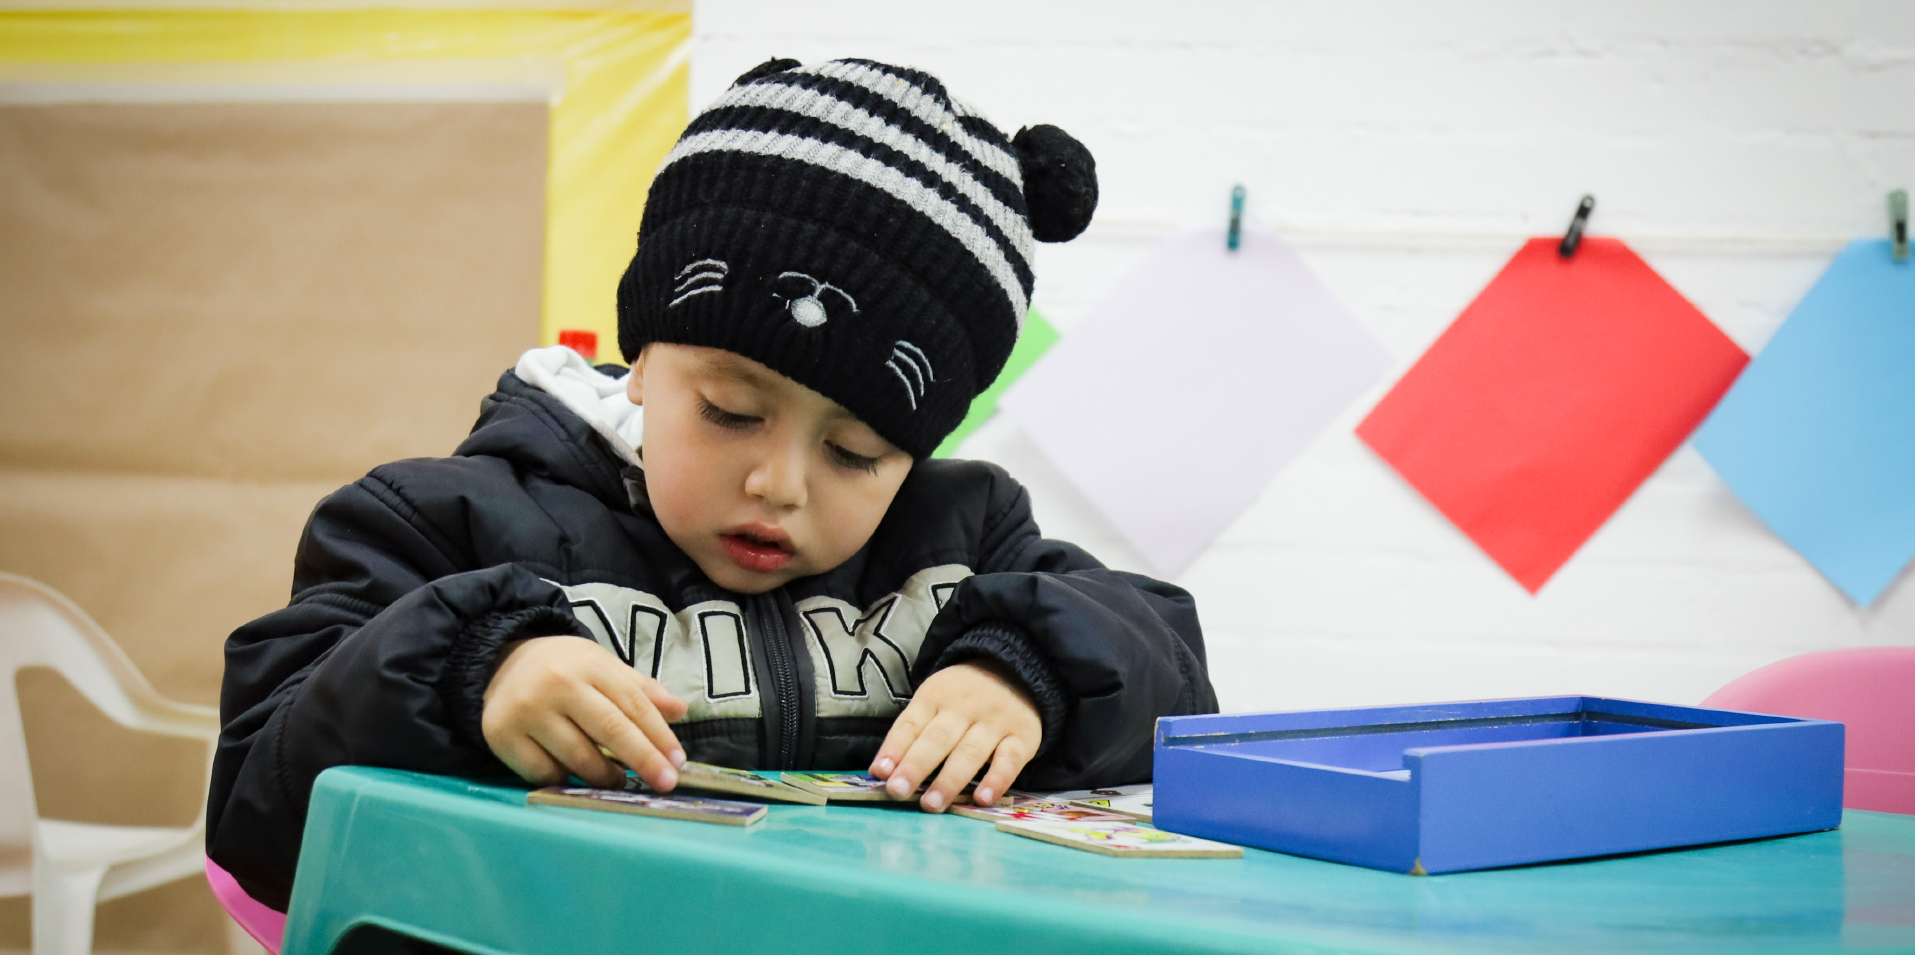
[
  {"x": 851, "y": 513},
  {"x": 678, "y": 498}
]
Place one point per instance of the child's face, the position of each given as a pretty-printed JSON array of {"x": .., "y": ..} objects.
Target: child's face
[{"x": 760, "y": 479}]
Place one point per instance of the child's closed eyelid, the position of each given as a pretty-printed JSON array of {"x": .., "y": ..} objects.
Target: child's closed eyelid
[
  {"x": 724, "y": 418},
  {"x": 852, "y": 459}
]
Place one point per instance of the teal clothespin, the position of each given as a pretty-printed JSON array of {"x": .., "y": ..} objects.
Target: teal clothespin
[
  {"x": 1574, "y": 237},
  {"x": 1898, "y": 223},
  {"x": 1236, "y": 219}
]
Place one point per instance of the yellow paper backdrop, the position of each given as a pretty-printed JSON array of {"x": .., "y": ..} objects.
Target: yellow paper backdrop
[{"x": 622, "y": 105}]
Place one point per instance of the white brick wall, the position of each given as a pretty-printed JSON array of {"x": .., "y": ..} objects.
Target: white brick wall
[{"x": 1406, "y": 147}]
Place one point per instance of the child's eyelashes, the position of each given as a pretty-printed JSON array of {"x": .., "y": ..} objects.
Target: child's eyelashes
[
  {"x": 725, "y": 419},
  {"x": 851, "y": 459},
  {"x": 733, "y": 421}
]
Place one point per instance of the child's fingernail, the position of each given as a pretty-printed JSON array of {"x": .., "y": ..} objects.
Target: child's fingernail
[
  {"x": 981, "y": 796},
  {"x": 899, "y": 786},
  {"x": 883, "y": 766},
  {"x": 667, "y": 778},
  {"x": 934, "y": 800},
  {"x": 677, "y": 758}
]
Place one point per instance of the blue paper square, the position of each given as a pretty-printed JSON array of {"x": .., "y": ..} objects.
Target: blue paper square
[{"x": 1818, "y": 435}]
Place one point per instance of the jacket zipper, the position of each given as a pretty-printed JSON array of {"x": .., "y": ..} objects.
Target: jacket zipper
[{"x": 784, "y": 677}]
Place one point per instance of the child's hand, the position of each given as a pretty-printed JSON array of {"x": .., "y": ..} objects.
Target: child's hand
[
  {"x": 554, "y": 700},
  {"x": 963, "y": 716}
]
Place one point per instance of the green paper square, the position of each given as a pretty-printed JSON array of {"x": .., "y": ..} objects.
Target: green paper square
[{"x": 1038, "y": 337}]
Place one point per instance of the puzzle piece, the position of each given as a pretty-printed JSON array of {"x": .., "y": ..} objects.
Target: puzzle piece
[{"x": 724, "y": 812}]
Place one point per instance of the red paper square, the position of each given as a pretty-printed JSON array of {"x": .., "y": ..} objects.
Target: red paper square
[{"x": 1550, "y": 399}]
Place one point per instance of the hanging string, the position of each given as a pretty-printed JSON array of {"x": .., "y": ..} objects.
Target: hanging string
[{"x": 1447, "y": 238}]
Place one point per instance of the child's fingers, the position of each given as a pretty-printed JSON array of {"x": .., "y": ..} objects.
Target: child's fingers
[
  {"x": 904, "y": 732},
  {"x": 926, "y": 752},
  {"x": 961, "y": 766},
  {"x": 522, "y": 755},
  {"x": 1012, "y": 753},
  {"x": 575, "y": 751},
  {"x": 640, "y": 709},
  {"x": 610, "y": 726},
  {"x": 669, "y": 706}
]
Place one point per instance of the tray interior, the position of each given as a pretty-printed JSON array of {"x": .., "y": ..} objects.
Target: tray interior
[{"x": 1379, "y": 748}]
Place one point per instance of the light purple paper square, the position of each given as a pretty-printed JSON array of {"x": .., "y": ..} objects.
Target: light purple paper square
[{"x": 1202, "y": 375}]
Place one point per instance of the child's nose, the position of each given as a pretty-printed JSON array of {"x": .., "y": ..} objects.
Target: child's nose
[{"x": 778, "y": 478}]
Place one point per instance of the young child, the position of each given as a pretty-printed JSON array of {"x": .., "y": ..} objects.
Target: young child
[{"x": 834, "y": 261}]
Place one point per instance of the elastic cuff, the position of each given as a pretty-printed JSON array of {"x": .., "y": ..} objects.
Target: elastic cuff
[
  {"x": 475, "y": 654},
  {"x": 1007, "y": 646}
]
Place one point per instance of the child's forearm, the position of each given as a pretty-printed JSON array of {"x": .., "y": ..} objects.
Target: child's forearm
[{"x": 352, "y": 687}]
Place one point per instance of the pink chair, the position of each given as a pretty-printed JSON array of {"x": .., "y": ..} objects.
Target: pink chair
[
  {"x": 266, "y": 925},
  {"x": 1871, "y": 690}
]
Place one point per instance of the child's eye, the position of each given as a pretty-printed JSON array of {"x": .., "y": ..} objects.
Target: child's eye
[
  {"x": 852, "y": 460},
  {"x": 725, "y": 419}
]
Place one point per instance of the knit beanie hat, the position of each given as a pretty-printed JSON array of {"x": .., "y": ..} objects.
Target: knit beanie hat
[{"x": 854, "y": 228}]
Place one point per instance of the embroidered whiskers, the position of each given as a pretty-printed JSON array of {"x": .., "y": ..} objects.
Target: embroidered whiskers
[
  {"x": 913, "y": 369},
  {"x": 704, "y": 275}
]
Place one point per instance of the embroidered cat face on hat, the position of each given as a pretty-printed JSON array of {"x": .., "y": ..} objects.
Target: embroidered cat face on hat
[
  {"x": 807, "y": 295},
  {"x": 851, "y": 226}
]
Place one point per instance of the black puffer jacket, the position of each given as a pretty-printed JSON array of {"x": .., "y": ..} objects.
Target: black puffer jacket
[{"x": 409, "y": 580}]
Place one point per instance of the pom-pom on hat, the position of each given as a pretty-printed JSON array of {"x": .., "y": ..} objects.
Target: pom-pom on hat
[{"x": 854, "y": 228}]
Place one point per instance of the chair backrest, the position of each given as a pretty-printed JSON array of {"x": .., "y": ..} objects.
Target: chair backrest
[
  {"x": 1869, "y": 689},
  {"x": 39, "y": 627}
]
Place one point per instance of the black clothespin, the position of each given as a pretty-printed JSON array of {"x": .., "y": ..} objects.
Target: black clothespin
[
  {"x": 1236, "y": 220},
  {"x": 1574, "y": 237},
  {"x": 1898, "y": 223}
]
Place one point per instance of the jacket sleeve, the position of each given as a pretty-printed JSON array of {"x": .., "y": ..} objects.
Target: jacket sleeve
[
  {"x": 1103, "y": 653},
  {"x": 381, "y": 659}
]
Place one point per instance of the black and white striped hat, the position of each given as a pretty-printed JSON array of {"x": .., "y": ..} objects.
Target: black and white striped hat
[{"x": 854, "y": 228}]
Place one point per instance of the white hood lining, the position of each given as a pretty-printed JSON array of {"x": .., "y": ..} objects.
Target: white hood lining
[{"x": 598, "y": 398}]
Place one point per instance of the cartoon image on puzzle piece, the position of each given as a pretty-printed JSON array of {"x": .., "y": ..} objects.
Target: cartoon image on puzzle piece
[
  {"x": 861, "y": 787},
  {"x": 1126, "y": 839},
  {"x": 690, "y": 808},
  {"x": 1028, "y": 807},
  {"x": 1133, "y": 801},
  {"x": 724, "y": 779},
  {"x": 740, "y": 782}
]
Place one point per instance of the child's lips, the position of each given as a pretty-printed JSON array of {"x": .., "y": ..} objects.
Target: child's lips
[{"x": 760, "y": 551}]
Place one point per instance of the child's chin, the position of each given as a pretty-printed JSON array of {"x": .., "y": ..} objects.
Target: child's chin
[{"x": 739, "y": 580}]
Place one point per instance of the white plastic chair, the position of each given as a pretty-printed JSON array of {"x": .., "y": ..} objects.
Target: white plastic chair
[{"x": 69, "y": 867}]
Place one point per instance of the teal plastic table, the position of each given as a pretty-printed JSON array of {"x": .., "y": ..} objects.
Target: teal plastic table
[{"x": 471, "y": 867}]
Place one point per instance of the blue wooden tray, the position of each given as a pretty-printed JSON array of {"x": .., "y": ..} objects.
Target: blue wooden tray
[{"x": 1450, "y": 787}]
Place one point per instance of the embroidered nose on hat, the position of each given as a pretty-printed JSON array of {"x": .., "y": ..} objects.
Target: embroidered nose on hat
[
  {"x": 806, "y": 296},
  {"x": 854, "y": 228}
]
